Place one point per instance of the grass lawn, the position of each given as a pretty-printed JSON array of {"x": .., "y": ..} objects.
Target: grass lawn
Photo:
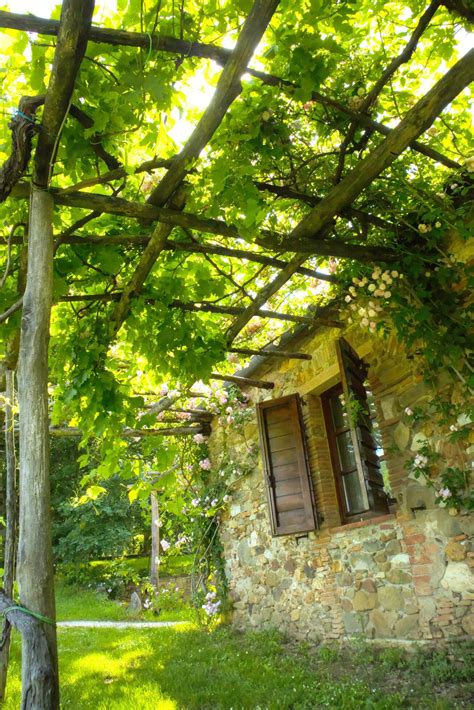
[
  {"x": 78, "y": 604},
  {"x": 184, "y": 667}
]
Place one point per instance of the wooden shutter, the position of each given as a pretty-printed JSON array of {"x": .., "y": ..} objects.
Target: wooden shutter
[
  {"x": 286, "y": 470},
  {"x": 353, "y": 374}
]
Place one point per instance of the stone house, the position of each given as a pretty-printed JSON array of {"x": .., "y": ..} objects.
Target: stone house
[{"x": 330, "y": 536}]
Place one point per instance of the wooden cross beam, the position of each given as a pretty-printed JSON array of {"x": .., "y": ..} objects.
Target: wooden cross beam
[
  {"x": 243, "y": 381},
  {"x": 29, "y": 23},
  {"x": 283, "y": 354}
]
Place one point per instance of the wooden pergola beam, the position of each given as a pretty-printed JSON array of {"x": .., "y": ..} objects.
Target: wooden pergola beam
[
  {"x": 282, "y": 354},
  {"x": 206, "y": 308},
  {"x": 416, "y": 121},
  {"x": 173, "y": 217},
  {"x": 228, "y": 88},
  {"x": 191, "y": 247},
  {"x": 136, "y": 433},
  {"x": 267, "y": 292},
  {"x": 243, "y": 381},
  {"x": 30, "y": 23}
]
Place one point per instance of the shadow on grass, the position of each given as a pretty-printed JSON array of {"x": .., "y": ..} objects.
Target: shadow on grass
[{"x": 187, "y": 668}]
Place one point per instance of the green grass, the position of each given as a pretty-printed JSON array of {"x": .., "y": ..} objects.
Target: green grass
[
  {"x": 186, "y": 668},
  {"x": 78, "y": 604},
  {"x": 75, "y": 604},
  {"x": 170, "y": 566}
]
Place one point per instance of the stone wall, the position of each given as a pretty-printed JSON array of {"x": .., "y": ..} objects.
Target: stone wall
[{"x": 406, "y": 575}]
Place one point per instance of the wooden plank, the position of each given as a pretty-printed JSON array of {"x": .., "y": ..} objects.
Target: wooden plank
[
  {"x": 282, "y": 443},
  {"x": 277, "y": 414},
  {"x": 285, "y": 472},
  {"x": 284, "y": 457},
  {"x": 286, "y": 503},
  {"x": 278, "y": 428},
  {"x": 288, "y": 487}
]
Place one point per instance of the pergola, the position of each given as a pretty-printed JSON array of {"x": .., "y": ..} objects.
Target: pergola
[{"x": 285, "y": 253}]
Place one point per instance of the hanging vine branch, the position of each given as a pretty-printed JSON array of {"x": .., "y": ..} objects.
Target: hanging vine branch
[{"x": 23, "y": 128}]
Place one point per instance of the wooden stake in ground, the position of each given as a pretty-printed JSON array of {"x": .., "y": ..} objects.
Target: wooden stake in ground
[
  {"x": 155, "y": 540},
  {"x": 10, "y": 521}
]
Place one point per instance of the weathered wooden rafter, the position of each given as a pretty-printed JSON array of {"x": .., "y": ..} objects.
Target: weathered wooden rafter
[
  {"x": 243, "y": 381},
  {"x": 227, "y": 89},
  {"x": 416, "y": 121},
  {"x": 129, "y": 433},
  {"x": 279, "y": 354},
  {"x": 204, "y": 307},
  {"x": 220, "y": 55},
  {"x": 383, "y": 79},
  {"x": 173, "y": 217},
  {"x": 199, "y": 248}
]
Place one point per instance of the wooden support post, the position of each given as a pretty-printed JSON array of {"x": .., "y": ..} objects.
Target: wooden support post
[
  {"x": 40, "y": 687},
  {"x": 11, "y": 526},
  {"x": 155, "y": 540}
]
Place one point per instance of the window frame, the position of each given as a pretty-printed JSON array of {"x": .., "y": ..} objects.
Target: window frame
[{"x": 344, "y": 388}]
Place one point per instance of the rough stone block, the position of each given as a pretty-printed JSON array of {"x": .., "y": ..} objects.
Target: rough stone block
[
  {"x": 398, "y": 576},
  {"x": 455, "y": 551},
  {"x": 407, "y": 627},
  {"x": 401, "y": 436},
  {"x": 382, "y": 623},
  {"x": 363, "y": 601},
  {"x": 458, "y": 577},
  {"x": 467, "y": 624},
  {"x": 352, "y": 623},
  {"x": 392, "y": 547},
  {"x": 391, "y": 598}
]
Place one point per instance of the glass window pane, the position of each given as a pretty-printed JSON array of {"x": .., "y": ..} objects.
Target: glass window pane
[
  {"x": 352, "y": 493},
  {"x": 346, "y": 451}
]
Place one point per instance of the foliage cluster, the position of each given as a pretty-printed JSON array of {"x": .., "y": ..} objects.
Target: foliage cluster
[{"x": 424, "y": 300}]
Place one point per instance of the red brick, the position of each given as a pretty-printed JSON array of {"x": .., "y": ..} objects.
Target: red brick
[
  {"x": 421, "y": 560},
  {"x": 414, "y": 539},
  {"x": 421, "y": 570}
]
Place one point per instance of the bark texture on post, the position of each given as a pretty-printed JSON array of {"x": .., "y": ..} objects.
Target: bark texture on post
[
  {"x": 40, "y": 682},
  {"x": 35, "y": 565},
  {"x": 36, "y": 640},
  {"x": 10, "y": 520}
]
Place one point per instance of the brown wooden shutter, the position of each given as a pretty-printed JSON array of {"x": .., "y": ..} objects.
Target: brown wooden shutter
[
  {"x": 287, "y": 475},
  {"x": 353, "y": 374}
]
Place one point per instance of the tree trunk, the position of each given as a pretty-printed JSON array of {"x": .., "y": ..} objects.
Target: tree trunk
[
  {"x": 10, "y": 530},
  {"x": 34, "y": 636},
  {"x": 155, "y": 540},
  {"x": 40, "y": 689}
]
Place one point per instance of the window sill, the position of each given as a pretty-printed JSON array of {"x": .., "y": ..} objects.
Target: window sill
[{"x": 363, "y": 523}]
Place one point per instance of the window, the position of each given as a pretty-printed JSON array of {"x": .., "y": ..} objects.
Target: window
[
  {"x": 354, "y": 449},
  {"x": 287, "y": 475}
]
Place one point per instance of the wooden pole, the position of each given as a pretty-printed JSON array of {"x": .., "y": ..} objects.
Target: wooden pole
[
  {"x": 155, "y": 540},
  {"x": 11, "y": 523},
  {"x": 40, "y": 686},
  {"x": 40, "y": 681}
]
